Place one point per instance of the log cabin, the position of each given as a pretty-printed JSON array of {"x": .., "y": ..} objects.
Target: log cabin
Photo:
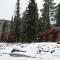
[
  {"x": 52, "y": 35},
  {"x": 7, "y": 37}
]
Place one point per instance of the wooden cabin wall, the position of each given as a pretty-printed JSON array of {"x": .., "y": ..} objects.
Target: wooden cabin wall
[{"x": 51, "y": 37}]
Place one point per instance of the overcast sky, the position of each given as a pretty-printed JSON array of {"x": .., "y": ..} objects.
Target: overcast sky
[{"x": 7, "y": 7}]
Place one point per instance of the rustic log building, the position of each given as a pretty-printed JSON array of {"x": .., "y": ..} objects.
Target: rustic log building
[{"x": 51, "y": 35}]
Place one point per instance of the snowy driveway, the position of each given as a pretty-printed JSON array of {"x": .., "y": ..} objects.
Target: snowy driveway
[{"x": 32, "y": 51}]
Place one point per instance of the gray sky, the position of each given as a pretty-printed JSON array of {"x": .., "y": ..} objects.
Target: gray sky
[{"x": 7, "y": 7}]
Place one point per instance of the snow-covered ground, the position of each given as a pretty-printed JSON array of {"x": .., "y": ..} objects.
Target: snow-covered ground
[{"x": 31, "y": 51}]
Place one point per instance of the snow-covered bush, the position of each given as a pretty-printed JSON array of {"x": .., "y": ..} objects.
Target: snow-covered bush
[{"x": 2, "y": 46}]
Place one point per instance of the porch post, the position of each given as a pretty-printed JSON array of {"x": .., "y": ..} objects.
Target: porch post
[{"x": 58, "y": 40}]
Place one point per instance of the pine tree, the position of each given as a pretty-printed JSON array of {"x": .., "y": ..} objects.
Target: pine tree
[
  {"x": 52, "y": 10},
  {"x": 11, "y": 28},
  {"x": 47, "y": 14},
  {"x": 58, "y": 16},
  {"x": 31, "y": 18},
  {"x": 17, "y": 23},
  {"x": 24, "y": 19},
  {"x": 11, "y": 33},
  {"x": 40, "y": 25}
]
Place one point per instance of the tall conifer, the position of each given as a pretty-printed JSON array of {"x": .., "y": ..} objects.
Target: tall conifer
[
  {"x": 58, "y": 16},
  {"x": 31, "y": 19},
  {"x": 17, "y": 22},
  {"x": 47, "y": 14}
]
